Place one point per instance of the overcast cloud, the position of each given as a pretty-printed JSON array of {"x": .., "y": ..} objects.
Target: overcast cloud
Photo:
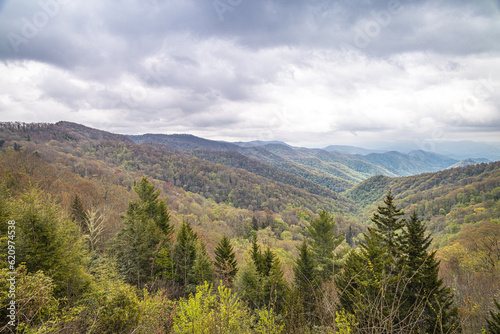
[{"x": 309, "y": 72}]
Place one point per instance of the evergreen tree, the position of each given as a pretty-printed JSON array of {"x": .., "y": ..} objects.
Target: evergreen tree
[
  {"x": 392, "y": 282},
  {"x": 151, "y": 206},
  {"x": 144, "y": 237},
  {"x": 203, "y": 267},
  {"x": 46, "y": 242},
  {"x": 263, "y": 279},
  {"x": 323, "y": 243},
  {"x": 305, "y": 273},
  {"x": 424, "y": 290},
  {"x": 225, "y": 261},
  {"x": 256, "y": 256},
  {"x": 494, "y": 322},
  {"x": 274, "y": 286},
  {"x": 185, "y": 256},
  {"x": 388, "y": 222},
  {"x": 79, "y": 215},
  {"x": 306, "y": 281}
]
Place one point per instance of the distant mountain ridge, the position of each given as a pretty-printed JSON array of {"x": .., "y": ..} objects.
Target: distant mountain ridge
[{"x": 336, "y": 167}]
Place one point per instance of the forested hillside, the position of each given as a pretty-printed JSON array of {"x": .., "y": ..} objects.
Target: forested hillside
[
  {"x": 116, "y": 236},
  {"x": 332, "y": 169}
]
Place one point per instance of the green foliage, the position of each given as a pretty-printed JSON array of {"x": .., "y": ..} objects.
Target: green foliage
[
  {"x": 268, "y": 322},
  {"x": 208, "y": 312},
  {"x": 494, "y": 321},
  {"x": 401, "y": 290},
  {"x": 261, "y": 282},
  {"x": 345, "y": 322},
  {"x": 307, "y": 282},
  {"x": 145, "y": 233},
  {"x": 387, "y": 223},
  {"x": 424, "y": 287},
  {"x": 185, "y": 255},
  {"x": 35, "y": 301},
  {"x": 324, "y": 240},
  {"x": 203, "y": 268},
  {"x": 46, "y": 242},
  {"x": 79, "y": 215},
  {"x": 225, "y": 261}
]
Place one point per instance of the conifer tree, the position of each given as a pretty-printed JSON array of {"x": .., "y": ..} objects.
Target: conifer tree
[
  {"x": 263, "y": 279},
  {"x": 203, "y": 267},
  {"x": 387, "y": 222},
  {"x": 185, "y": 255},
  {"x": 323, "y": 243},
  {"x": 424, "y": 290},
  {"x": 225, "y": 261},
  {"x": 392, "y": 281},
  {"x": 256, "y": 256},
  {"x": 79, "y": 215},
  {"x": 306, "y": 281},
  {"x": 494, "y": 322},
  {"x": 145, "y": 235}
]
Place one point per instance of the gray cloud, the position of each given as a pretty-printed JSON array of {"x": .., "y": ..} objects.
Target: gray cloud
[{"x": 299, "y": 70}]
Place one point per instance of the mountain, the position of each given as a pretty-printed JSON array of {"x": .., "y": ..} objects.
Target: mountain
[
  {"x": 350, "y": 149},
  {"x": 458, "y": 150},
  {"x": 468, "y": 162},
  {"x": 447, "y": 200},
  {"x": 329, "y": 167},
  {"x": 254, "y": 143},
  {"x": 216, "y": 191},
  {"x": 267, "y": 190},
  {"x": 415, "y": 162}
]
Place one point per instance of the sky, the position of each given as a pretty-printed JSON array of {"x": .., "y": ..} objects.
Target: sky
[{"x": 311, "y": 72}]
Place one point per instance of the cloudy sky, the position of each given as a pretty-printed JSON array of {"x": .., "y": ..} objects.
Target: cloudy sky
[{"x": 308, "y": 72}]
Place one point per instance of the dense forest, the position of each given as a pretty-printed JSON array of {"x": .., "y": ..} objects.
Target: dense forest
[{"x": 106, "y": 235}]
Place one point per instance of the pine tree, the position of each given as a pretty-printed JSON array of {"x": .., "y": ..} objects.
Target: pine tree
[
  {"x": 256, "y": 256},
  {"x": 306, "y": 281},
  {"x": 323, "y": 243},
  {"x": 145, "y": 235},
  {"x": 79, "y": 215},
  {"x": 392, "y": 282},
  {"x": 424, "y": 290},
  {"x": 225, "y": 261},
  {"x": 185, "y": 256},
  {"x": 151, "y": 206},
  {"x": 274, "y": 286},
  {"x": 494, "y": 322},
  {"x": 388, "y": 222},
  {"x": 203, "y": 268},
  {"x": 305, "y": 273}
]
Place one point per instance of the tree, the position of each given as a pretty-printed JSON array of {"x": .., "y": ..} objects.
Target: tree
[
  {"x": 494, "y": 322},
  {"x": 146, "y": 232},
  {"x": 392, "y": 282},
  {"x": 225, "y": 261},
  {"x": 185, "y": 255},
  {"x": 424, "y": 288},
  {"x": 79, "y": 215},
  {"x": 387, "y": 222},
  {"x": 48, "y": 242},
  {"x": 323, "y": 243},
  {"x": 203, "y": 267},
  {"x": 306, "y": 280},
  {"x": 262, "y": 281}
]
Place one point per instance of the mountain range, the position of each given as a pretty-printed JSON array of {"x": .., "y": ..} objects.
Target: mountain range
[{"x": 337, "y": 168}]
